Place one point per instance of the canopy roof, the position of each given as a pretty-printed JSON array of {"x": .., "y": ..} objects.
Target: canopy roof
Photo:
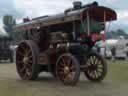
[
  {"x": 100, "y": 13},
  {"x": 95, "y": 12}
]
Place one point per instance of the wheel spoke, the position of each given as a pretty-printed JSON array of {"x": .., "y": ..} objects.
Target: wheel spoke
[
  {"x": 21, "y": 54},
  {"x": 100, "y": 71},
  {"x": 30, "y": 61},
  {"x": 20, "y": 62},
  {"x": 61, "y": 72},
  {"x": 68, "y": 76},
  {"x": 97, "y": 75},
  {"x": 30, "y": 57},
  {"x": 90, "y": 60},
  {"x": 65, "y": 77},
  {"x": 28, "y": 71},
  {"x": 29, "y": 65},
  {"x": 28, "y": 52},
  {"x": 101, "y": 68},
  {"x": 94, "y": 59},
  {"x": 24, "y": 49},
  {"x": 72, "y": 68},
  {"x": 61, "y": 69},
  {"x": 69, "y": 62},
  {"x": 89, "y": 71},
  {"x": 91, "y": 74},
  {"x": 64, "y": 62},
  {"x": 23, "y": 69},
  {"x": 88, "y": 64},
  {"x": 100, "y": 65},
  {"x": 26, "y": 75},
  {"x": 99, "y": 62}
]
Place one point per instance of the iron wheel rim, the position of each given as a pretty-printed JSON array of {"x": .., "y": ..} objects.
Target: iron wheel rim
[
  {"x": 24, "y": 67},
  {"x": 68, "y": 69},
  {"x": 95, "y": 68}
]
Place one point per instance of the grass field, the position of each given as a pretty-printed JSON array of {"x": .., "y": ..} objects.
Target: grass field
[{"x": 115, "y": 83}]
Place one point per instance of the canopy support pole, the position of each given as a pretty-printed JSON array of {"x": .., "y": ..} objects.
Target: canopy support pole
[
  {"x": 105, "y": 21},
  {"x": 105, "y": 30},
  {"x": 74, "y": 29},
  {"x": 82, "y": 22},
  {"x": 88, "y": 23}
]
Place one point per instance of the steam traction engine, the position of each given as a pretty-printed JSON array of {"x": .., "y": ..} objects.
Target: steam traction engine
[{"x": 63, "y": 44}]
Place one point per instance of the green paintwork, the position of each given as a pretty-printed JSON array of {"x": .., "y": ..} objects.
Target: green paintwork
[{"x": 95, "y": 27}]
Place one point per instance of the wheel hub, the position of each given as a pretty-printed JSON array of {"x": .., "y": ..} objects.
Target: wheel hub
[
  {"x": 93, "y": 67},
  {"x": 25, "y": 60},
  {"x": 66, "y": 69}
]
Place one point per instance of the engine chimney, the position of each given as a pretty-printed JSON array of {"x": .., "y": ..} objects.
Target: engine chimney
[
  {"x": 77, "y": 5},
  {"x": 91, "y": 4}
]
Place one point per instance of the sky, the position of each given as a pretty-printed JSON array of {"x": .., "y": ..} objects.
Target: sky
[{"x": 34, "y": 8}]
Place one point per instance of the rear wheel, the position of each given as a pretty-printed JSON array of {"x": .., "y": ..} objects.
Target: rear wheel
[
  {"x": 68, "y": 69},
  {"x": 96, "y": 67},
  {"x": 26, "y": 60}
]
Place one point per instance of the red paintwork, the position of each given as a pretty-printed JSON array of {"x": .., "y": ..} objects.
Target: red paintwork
[{"x": 96, "y": 37}]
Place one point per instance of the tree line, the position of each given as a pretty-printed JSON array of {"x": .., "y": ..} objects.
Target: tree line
[
  {"x": 117, "y": 34},
  {"x": 8, "y": 22}
]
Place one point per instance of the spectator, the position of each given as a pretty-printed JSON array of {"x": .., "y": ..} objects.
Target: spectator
[{"x": 113, "y": 51}]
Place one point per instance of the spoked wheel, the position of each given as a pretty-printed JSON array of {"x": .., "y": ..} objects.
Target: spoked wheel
[
  {"x": 68, "y": 69},
  {"x": 96, "y": 67},
  {"x": 26, "y": 60}
]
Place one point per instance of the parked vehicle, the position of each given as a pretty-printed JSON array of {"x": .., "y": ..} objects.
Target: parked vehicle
[
  {"x": 62, "y": 44},
  {"x": 5, "y": 52},
  {"x": 13, "y": 48}
]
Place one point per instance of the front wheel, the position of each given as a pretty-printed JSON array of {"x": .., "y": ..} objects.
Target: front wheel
[
  {"x": 96, "y": 67},
  {"x": 68, "y": 69}
]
